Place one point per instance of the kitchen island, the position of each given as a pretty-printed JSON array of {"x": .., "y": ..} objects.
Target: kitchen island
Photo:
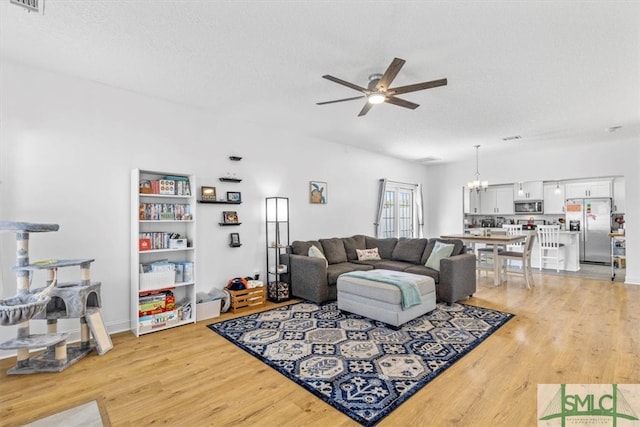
[{"x": 571, "y": 261}]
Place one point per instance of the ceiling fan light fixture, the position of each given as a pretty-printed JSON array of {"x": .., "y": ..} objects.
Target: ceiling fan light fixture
[{"x": 376, "y": 98}]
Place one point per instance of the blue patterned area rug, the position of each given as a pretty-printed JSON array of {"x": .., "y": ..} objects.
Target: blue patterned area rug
[{"x": 358, "y": 365}]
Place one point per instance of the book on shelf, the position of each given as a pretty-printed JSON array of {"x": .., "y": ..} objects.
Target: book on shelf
[
  {"x": 164, "y": 212},
  {"x": 169, "y": 185},
  {"x": 160, "y": 240}
]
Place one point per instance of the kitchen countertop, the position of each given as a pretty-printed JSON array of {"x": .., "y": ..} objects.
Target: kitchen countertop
[{"x": 502, "y": 230}]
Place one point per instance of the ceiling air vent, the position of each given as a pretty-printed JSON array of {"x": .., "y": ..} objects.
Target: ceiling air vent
[
  {"x": 512, "y": 138},
  {"x": 30, "y": 5}
]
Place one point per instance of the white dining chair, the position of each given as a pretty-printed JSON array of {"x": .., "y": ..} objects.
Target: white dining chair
[
  {"x": 550, "y": 247},
  {"x": 523, "y": 255},
  {"x": 514, "y": 230}
]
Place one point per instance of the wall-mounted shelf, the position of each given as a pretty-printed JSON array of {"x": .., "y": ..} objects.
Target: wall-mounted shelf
[
  {"x": 230, "y": 179},
  {"x": 229, "y": 223},
  {"x": 235, "y": 158},
  {"x": 219, "y": 202}
]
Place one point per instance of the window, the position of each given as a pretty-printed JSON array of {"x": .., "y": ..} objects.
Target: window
[{"x": 400, "y": 210}]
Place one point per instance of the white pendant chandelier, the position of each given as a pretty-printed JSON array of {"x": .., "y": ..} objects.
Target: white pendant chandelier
[{"x": 476, "y": 184}]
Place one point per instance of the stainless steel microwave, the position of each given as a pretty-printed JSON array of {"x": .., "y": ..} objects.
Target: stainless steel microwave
[{"x": 528, "y": 207}]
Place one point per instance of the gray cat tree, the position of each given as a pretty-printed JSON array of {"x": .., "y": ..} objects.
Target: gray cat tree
[{"x": 75, "y": 300}]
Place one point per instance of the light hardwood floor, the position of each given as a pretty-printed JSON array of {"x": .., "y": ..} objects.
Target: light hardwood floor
[{"x": 566, "y": 330}]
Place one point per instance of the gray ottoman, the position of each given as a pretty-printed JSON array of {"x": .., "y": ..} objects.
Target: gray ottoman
[{"x": 382, "y": 301}]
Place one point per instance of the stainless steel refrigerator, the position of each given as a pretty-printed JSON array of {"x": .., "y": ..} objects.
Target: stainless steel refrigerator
[{"x": 594, "y": 219}]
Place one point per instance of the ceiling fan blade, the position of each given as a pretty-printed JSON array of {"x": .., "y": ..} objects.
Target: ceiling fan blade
[
  {"x": 347, "y": 84},
  {"x": 401, "y": 102},
  {"x": 417, "y": 86},
  {"x": 365, "y": 109},
  {"x": 390, "y": 74},
  {"x": 340, "y": 100}
]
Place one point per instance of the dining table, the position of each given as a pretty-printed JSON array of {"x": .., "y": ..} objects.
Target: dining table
[{"x": 496, "y": 240}]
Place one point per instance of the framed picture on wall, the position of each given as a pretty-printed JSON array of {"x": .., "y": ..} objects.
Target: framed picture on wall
[
  {"x": 230, "y": 217},
  {"x": 234, "y": 197},
  {"x": 234, "y": 239},
  {"x": 208, "y": 193},
  {"x": 318, "y": 192}
]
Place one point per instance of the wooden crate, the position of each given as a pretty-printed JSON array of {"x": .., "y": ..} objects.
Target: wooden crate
[{"x": 246, "y": 299}]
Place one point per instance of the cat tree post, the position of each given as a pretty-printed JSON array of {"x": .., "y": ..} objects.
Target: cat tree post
[{"x": 22, "y": 279}]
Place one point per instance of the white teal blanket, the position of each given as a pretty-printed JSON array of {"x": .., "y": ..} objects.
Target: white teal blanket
[{"x": 407, "y": 285}]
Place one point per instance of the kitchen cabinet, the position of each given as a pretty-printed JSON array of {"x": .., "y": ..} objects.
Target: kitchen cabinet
[
  {"x": 578, "y": 190},
  {"x": 471, "y": 202},
  {"x": 554, "y": 201},
  {"x": 528, "y": 191},
  {"x": 497, "y": 200},
  {"x": 619, "y": 205}
]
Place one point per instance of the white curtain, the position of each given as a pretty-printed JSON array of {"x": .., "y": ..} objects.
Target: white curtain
[
  {"x": 419, "y": 212},
  {"x": 383, "y": 190}
]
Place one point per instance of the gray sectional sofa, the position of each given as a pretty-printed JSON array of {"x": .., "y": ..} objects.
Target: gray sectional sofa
[{"x": 314, "y": 278}]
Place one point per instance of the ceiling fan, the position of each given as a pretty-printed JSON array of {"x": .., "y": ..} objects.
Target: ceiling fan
[{"x": 378, "y": 90}]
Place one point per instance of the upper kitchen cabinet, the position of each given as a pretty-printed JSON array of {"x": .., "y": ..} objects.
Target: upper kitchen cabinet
[
  {"x": 528, "y": 190},
  {"x": 579, "y": 190},
  {"x": 471, "y": 201},
  {"x": 497, "y": 201},
  {"x": 554, "y": 198},
  {"x": 619, "y": 205}
]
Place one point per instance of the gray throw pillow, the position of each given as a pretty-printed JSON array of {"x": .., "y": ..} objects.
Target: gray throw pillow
[
  {"x": 334, "y": 250},
  {"x": 351, "y": 244},
  {"x": 409, "y": 250},
  {"x": 385, "y": 246}
]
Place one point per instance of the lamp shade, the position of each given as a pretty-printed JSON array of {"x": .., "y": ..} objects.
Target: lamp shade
[{"x": 277, "y": 208}]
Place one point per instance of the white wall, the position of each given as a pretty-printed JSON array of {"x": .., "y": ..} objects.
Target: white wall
[
  {"x": 67, "y": 148},
  {"x": 594, "y": 160}
]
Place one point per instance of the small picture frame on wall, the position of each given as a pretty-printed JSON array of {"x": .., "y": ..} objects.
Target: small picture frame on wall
[
  {"x": 317, "y": 192},
  {"x": 208, "y": 193},
  {"x": 234, "y": 197},
  {"x": 230, "y": 217},
  {"x": 234, "y": 240}
]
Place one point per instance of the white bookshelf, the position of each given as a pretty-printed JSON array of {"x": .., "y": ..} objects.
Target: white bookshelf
[{"x": 182, "y": 208}]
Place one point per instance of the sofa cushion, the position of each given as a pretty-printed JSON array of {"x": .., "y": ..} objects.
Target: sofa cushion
[
  {"x": 351, "y": 244},
  {"x": 409, "y": 250},
  {"x": 425, "y": 271},
  {"x": 371, "y": 262},
  {"x": 385, "y": 246},
  {"x": 335, "y": 270},
  {"x": 334, "y": 250},
  {"x": 458, "y": 248},
  {"x": 440, "y": 250},
  {"x": 302, "y": 248},
  {"x": 387, "y": 264}
]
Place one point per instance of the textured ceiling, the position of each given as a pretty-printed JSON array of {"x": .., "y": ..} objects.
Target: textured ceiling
[{"x": 553, "y": 72}]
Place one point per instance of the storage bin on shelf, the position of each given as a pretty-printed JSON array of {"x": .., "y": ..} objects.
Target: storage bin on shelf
[{"x": 157, "y": 280}]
